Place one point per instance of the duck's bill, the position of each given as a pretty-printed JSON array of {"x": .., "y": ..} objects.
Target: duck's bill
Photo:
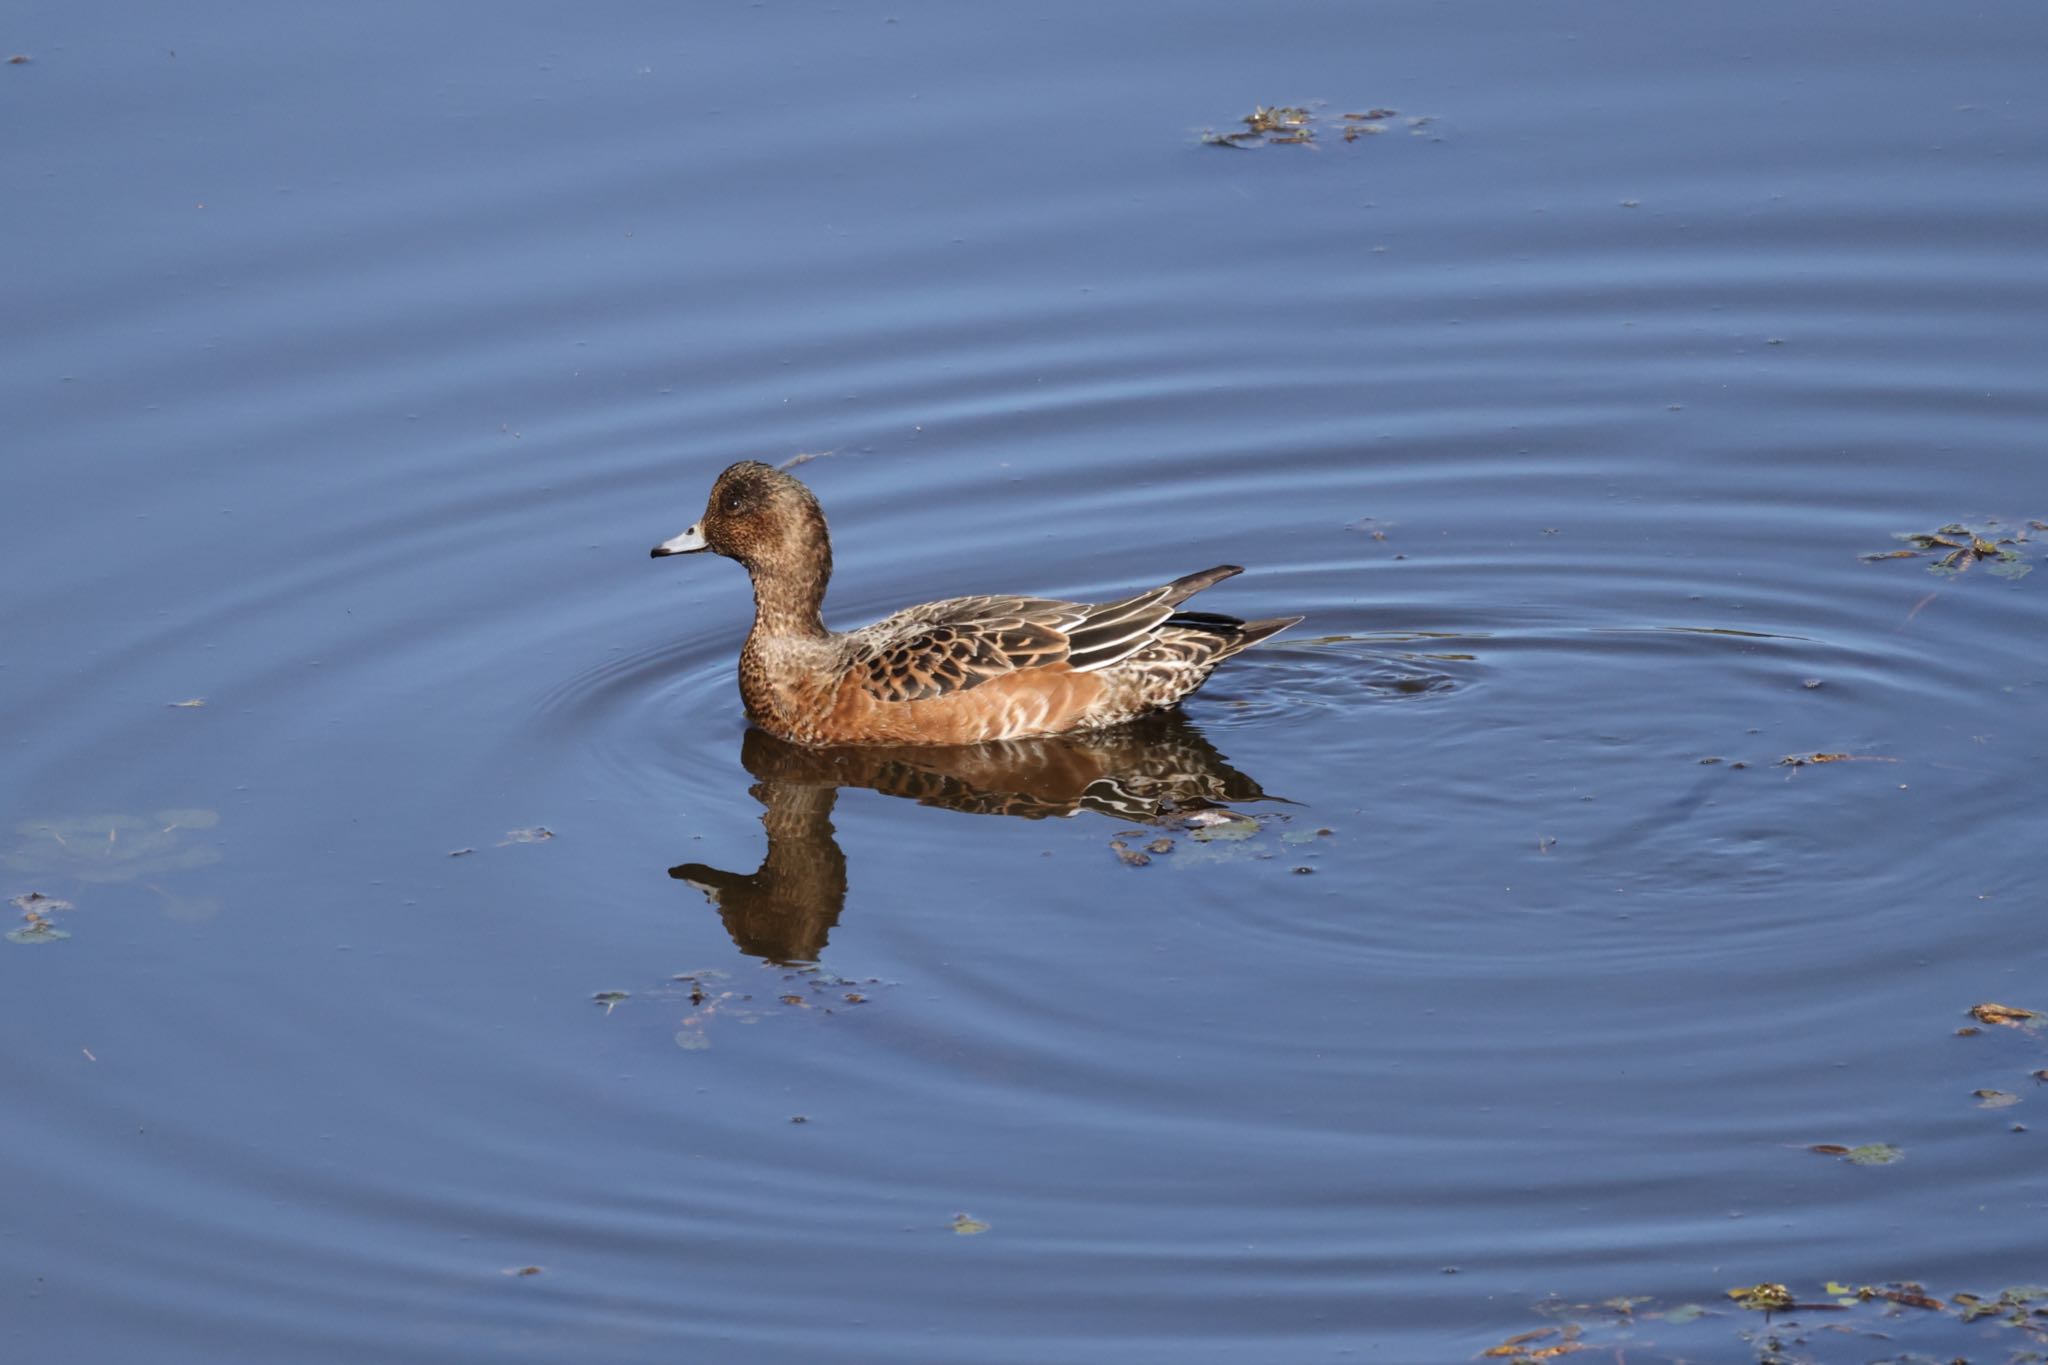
[{"x": 688, "y": 543}]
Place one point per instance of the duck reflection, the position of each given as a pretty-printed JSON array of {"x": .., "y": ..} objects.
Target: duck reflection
[{"x": 1147, "y": 772}]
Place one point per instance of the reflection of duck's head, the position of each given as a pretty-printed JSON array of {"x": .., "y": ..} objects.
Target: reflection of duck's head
[{"x": 785, "y": 910}]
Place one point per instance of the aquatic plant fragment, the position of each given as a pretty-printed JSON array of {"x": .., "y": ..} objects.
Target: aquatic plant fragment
[
  {"x": 1210, "y": 826},
  {"x": 1864, "y": 1311},
  {"x": 2014, "y": 1305},
  {"x": 1958, "y": 547},
  {"x": 1127, "y": 855},
  {"x": 1808, "y": 760},
  {"x": 2010, "y": 1016},
  {"x": 1764, "y": 1298},
  {"x": 1270, "y": 125},
  {"x": 1523, "y": 1346},
  {"x": 1869, "y": 1154},
  {"x": 36, "y": 930}
]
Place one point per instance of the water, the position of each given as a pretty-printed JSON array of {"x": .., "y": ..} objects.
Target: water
[{"x": 354, "y": 361}]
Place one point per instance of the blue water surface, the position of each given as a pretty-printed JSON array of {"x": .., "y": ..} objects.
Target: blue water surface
[{"x": 354, "y": 358}]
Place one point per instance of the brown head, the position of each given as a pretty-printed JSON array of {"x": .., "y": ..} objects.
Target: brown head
[
  {"x": 758, "y": 515},
  {"x": 770, "y": 522}
]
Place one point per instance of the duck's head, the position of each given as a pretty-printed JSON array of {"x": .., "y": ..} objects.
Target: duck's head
[{"x": 760, "y": 516}]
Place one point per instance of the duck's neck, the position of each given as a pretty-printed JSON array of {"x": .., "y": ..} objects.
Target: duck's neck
[{"x": 789, "y": 598}]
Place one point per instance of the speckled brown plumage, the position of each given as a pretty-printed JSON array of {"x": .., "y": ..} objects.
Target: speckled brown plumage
[{"x": 960, "y": 671}]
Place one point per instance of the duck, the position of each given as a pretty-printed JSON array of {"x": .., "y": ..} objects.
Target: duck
[{"x": 965, "y": 670}]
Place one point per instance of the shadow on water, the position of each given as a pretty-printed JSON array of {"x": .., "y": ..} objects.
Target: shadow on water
[{"x": 1147, "y": 772}]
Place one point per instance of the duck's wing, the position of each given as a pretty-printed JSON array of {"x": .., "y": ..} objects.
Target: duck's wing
[
  {"x": 941, "y": 647},
  {"x": 951, "y": 646}
]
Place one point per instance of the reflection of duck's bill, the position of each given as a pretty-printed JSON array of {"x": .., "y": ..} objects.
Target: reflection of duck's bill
[
  {"x": 710, "y": 880},
  {"x": 688, "y": 543}
]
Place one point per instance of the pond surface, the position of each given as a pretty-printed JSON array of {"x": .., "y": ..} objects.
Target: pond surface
[{"x": 354, "y": 360}]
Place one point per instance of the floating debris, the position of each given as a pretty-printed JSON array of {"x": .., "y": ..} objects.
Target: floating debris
[
  {"x": 520, "y": 1271},
  {"x": 1958, "y": 547},
  {"x": 967, "y": 1226},
  {"x": 538, "y": 834},
  {"x": 1764, "y": 1298},
  {"x": 808, "y": 988},
  {"x": 1210, "y": 826},
  {"x": 1523, "y": 1347},
  {"x": 1633, "y": 1325},
  {"x": 1873, "y": 1154},
  {"x": 1284, "y": 120},
  {"x": 189, "y": 704},
  {"x": 611, "y": 1000},
  {"x": 1269, "y": 125},
  {"x": 1904, "y": 1292},
  {"x": 1218, "y": 834},
  {"x": 1869, "y": 1154},
  {"x": 1994, "y": 1099},
  {"x": 36, "y": 929},
  {"x": 1807, "y": 760},
  {"x": 36, "y": 909},
  {"x": 2013, "y": 1305},
  {"x": 2010, "y": 1016},
  {"x": 1127, "y": 855}
]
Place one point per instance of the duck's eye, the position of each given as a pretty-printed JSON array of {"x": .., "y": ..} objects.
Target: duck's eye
[{"x": 734, "y": 505}]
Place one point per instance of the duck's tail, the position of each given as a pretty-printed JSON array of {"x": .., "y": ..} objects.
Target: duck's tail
[
  {"x": 1229, "y": 634},
  {"x": 1181, "y": 589}
]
